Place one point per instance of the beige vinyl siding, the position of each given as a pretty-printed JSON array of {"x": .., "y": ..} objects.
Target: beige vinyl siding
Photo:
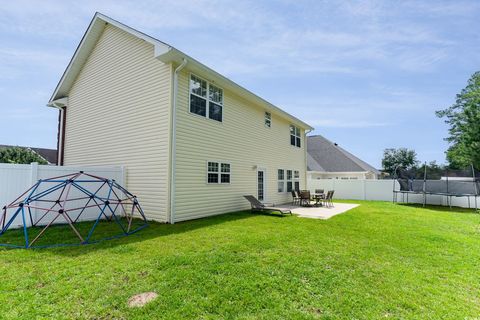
[
  {"x": 119, "y": 114},
  {"x": 241, "y": 140}
]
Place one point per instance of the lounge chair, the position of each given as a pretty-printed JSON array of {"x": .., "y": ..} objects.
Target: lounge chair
[{"x": 257, "y": 206}]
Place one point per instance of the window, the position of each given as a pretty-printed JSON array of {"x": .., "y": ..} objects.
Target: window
[
  {"x": 296, "y": 179},
  {"x": 295, "y": 139},
  {"x": 268, "y": 119},
  {"x": 289, "y": 181},
  {"x": 225, "y": 173},
  {"x": 218, "y": 172},
  {"x": 281, "y": 180},
  {"x": 206, "y": 100}
]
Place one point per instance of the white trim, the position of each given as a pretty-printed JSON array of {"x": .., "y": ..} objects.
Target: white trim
[
  {"x": 173, "y": 140},
  {"x": 164, "y": 53},
  {"x": 264, "y": 170},
  {"x": 219, "y": 173},
  {"x": 88, "y": 42},
  {"x": 207, "y": 98},
  {"x": 282, "y": 181},
  {"x": 267, "y": 119},
  {"x": 299, "y": 136}
]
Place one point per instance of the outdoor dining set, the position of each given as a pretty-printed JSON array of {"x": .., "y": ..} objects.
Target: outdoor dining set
[{"x": 305, "y": 198}]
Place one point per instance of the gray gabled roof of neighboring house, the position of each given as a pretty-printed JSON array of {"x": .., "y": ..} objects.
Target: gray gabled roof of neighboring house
[
  {"x": 324, "y": 155},
  {"x": 50, "y": 155}
]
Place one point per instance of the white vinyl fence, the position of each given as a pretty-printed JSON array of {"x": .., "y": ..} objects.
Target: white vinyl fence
[
  {"x": 380, "y": 190},
  {"x": 17, "y": 178}
]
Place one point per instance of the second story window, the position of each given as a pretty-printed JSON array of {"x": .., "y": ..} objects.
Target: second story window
[
  {"x": 268, "y": 119},
  {"x": 206, "y": 99},
  {"x": 295, "y": 139}
]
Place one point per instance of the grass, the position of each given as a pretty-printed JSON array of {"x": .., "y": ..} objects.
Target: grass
[{"x": 378, "y": 260}]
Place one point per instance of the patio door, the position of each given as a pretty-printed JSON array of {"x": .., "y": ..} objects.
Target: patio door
[{"x": 261, "y": 179}]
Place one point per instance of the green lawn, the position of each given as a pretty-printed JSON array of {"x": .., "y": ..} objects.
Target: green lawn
[{"x": 377, "y": 261}]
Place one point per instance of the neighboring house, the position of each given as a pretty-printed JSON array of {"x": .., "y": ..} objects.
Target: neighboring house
[
  {"x": 49, "y": 155},
  {"x": 193, "y": 142},
  {"x": 327, "y": 160}
]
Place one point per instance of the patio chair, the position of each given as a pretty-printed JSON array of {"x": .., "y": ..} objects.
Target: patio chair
[
  {"x": 257, "y": 206},
  {"x": 319, "y": 191},
  {"x": 328, "y": 201},
  {"x": 305, "y": 198},
  {"x": 296, "y": 197}
]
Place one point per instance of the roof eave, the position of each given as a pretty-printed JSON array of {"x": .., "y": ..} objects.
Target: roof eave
[
  {"x": 176, "y": 56},
  {"x": 163, "y": 52}
]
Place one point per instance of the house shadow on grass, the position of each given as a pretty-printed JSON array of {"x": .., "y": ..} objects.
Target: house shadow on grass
[{"x": 62, "y": 234}]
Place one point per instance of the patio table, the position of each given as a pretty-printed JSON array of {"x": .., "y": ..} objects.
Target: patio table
[{"x": 318, "y": 197}]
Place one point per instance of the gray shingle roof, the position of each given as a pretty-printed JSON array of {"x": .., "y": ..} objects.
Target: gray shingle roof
[
  {"x": 50, "y": 155},
  {"x": 326, "y": 156}
]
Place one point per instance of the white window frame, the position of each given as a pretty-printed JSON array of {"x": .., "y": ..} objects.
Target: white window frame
[
  {"x": 268, "y": 119},
  {"x": 207, "y": 98},
  {"x": 297, "y": 133},
  {"x": 219, "y": 172},
  {"x": 296, "y": 178},
  {"x": 289, "y": 180},
  {"x": 282, "y": 181}
]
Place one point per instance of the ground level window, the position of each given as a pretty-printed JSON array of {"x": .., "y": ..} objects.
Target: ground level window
[
  {"x": 296, "y": 180},
  {"x": 225, "y": 173},
  {"x": 289, "y": 181},
  {"x": 218, "y": 172},
  {"x": 281, "y": 180}
]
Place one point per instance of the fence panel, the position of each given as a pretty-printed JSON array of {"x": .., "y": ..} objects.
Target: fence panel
[
  {"x": 381, "y": 190},
  {"x": 17, "y": 178}
]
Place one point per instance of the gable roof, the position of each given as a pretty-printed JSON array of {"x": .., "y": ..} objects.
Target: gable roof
[
  {"x": 163, "y": 52},
  {"x": 326, "y": 156},
  {"x": 49, "y": 155}
]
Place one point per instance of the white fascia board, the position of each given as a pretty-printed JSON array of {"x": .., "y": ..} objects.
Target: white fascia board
[
  {"x": 175, "y": 56},
  {"x": 88, "y": 42},
  {"x": 163, "y": 52}
]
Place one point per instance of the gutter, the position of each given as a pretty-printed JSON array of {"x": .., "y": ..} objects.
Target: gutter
[{"x": 173, "y": 139}]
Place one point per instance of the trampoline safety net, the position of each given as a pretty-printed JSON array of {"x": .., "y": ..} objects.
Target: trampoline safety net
[{"x": 438, "y": 181}]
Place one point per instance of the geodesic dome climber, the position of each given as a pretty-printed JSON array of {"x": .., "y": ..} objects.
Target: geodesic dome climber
[{"x": 72, "y": 209}]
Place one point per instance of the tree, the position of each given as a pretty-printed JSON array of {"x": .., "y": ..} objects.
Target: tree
[
  {"x": 19, "y": 155},
  {"x": 401, "y": 157},
  {"x": 463, "y": 118}
]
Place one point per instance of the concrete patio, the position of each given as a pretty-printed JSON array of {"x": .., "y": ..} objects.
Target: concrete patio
[{"x": 320, "y": 212}]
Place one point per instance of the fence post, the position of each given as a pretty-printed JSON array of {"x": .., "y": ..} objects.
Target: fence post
[
  {"x": 33, "y": 180},
  {"x": 364, "y": 189}
]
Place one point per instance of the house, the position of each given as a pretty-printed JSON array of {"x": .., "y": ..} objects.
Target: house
[
  {"x": 193, "y": 142},
  {"x": 327, "y": 160},
  {"x": 49, "y": 155}
]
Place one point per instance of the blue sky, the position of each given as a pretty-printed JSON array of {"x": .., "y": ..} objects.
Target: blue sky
[{"x": 366, "y": 74}]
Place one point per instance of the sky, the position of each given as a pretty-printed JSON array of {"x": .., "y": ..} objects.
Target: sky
[{"x": 368, "y": 75}]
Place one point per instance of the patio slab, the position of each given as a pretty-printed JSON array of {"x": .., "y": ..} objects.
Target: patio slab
[{"x": 321, "y": 212}]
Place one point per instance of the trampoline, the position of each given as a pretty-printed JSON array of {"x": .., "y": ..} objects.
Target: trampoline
[
  {"x": 82, "y": 206},
  {"x": 428, "y": 181}
]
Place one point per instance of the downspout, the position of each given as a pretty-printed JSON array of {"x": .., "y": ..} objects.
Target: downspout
[
  {"x": 61, "y": 130},
  {"x": 305, "y": 153},
  {"x": 173, "y": 139}
]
